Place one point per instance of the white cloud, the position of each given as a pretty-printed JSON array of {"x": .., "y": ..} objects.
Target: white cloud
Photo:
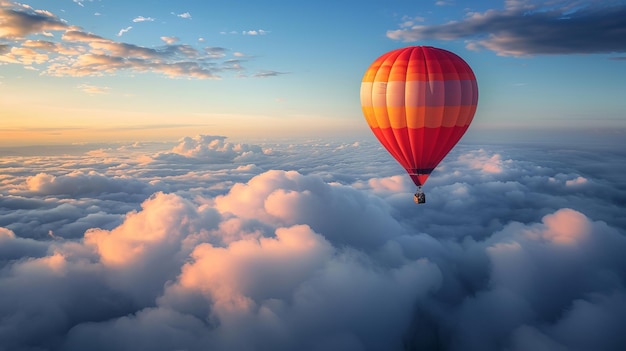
[
  {"x": 185, "y": 15},
  {"x": 170, "y": 40},
  {"x": 480, "y": 160},
  {"x": 143, "y": 19},
  {"x": 255, "y": 32},
  {"x": 209, "y": 148},
  {"x": 124, "y": 30}
]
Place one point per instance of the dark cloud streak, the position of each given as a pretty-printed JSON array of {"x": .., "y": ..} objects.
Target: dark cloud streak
[{"x": 540, "y": 31}]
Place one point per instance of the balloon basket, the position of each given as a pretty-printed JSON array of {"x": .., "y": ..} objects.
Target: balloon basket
[{"x": 419, "y": 197}]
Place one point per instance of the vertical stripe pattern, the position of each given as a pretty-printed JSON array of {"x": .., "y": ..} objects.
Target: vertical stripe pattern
[{"x": 419, "y": 101}]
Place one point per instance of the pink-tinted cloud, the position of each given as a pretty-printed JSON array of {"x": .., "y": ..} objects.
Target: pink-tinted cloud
[
  {"x": 20, "y": 21},
  {"x": 78, "y": 53}
]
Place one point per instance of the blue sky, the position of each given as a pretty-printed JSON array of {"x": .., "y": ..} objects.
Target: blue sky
[{"x": 278, "y": 68}]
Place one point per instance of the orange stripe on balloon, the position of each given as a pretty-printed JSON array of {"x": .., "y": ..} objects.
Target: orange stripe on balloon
[{"x": 431, "y": 116}]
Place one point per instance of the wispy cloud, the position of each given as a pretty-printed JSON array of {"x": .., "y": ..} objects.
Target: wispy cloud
[
  {"x": 143, "y": 19},
  {"x": 124, "y": 30},
  {"x": 255, "y": 32},
  {"x": 265, "y": 74},
  {"x": 185, "y": 15},
  {"x": 92, "y": 89},
  {"x": 522, "y": 28},
  {"x": 252, "y": 32},
  {"x": 216, "y": 51}
]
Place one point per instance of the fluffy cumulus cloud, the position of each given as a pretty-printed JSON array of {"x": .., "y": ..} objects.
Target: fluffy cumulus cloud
[
  {"x": 516, "y": 249},
  {"x": 210, "y": 148},
  {"x": 558, "y": 27}
]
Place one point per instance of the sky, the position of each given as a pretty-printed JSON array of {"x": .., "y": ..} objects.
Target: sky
[
  {"x": 199, "y": 176},
  {"x": 110, "y": 70}
]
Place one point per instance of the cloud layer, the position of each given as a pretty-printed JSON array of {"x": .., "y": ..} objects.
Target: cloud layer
[
  {"x": 311, "y": 245},
  {"x": 525, "y": 28}
]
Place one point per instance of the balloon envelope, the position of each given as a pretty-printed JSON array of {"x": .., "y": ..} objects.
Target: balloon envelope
[{"x": 419, "y": 101}]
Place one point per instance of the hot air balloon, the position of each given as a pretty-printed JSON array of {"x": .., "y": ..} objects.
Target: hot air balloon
[{"x": 419, "y": 101}]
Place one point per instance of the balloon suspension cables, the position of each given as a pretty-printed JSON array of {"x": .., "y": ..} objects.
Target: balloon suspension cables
[{"x": 419, "y": 197}]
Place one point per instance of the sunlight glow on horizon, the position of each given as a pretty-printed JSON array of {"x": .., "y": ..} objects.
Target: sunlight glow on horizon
[{"x": 232, "y": 126}]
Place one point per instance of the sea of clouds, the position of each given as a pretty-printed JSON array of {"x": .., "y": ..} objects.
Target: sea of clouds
[{"x": 208, "y": 244}]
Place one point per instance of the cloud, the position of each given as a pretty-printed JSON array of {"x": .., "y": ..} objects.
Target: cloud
[
  {"x": 312, "y": 244},
  {"x": 81, "y": 2},
  {"x": 79, "y": 183},
  {"x": 92, "y": 89},
  {"x": 266, "y": 74},
  {"x": 14, "y": 248},
  {"x": 170, "y": 40},
  {"x": 486, "y": 163},
  {"x": 143, "y": 19},
  {"x": 185, "y": 15},
  {"x": 79, "y": 53},
  {"x": 255, "y": 32},
  {"x": 565, "y": 27},
  {"x": 24, "y": 55},
  {"x": 124, "y": 30},
  {"x": 19, "y": 22},
  {"x": 210, "y": 148},
  {"x": 106, "y": 56},
  {"x": 252, "y": 32},
  {"x": 216, "y": 52},
  {"x": 236, "y": 291}
]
